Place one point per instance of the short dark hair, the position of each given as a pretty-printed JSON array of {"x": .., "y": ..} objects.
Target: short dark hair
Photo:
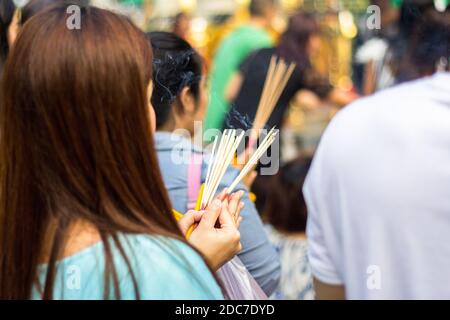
[
  {"x": 176, "y": 65},
  {"x": 430, "y": 41},
  {"x": 257, "y": 8}
]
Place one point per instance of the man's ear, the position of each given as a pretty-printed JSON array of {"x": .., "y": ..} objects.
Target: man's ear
[{"x": 187, "y": 101}]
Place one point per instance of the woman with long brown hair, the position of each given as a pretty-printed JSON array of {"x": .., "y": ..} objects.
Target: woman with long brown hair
[
  {"x": 307, "y": 87},
  {"x": 83, "y": 211}
]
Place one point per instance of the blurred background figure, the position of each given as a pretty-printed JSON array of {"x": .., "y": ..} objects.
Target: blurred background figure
[
  {"x": 30, "y": 8},
  {"x": 416, "y": 52},
  {"x": 382, "y": 58},
  {"x": 8, "y": 28},
  {"x": 297, "y": 44},
  {"x": 180, "y": 98},
  {"x": 181, "y": 25},
  {"x": 373, "y": 59},
  {"x": 378, "y": 215},
  {"x": 280, "y": 201},
  {"x": 232, "y": 51},
  {"x": 33, "y": 7}
]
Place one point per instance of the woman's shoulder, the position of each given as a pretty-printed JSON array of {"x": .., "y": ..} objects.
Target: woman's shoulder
[
  {"x": 170, "y": 265},
  {"x": 163, "y": 250},
  {"x": 161, "y": 267}
]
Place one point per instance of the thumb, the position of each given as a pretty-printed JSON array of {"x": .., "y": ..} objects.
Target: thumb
[
  {"x": 187, "y": 221},
  {"x": 211, "y": 214}
]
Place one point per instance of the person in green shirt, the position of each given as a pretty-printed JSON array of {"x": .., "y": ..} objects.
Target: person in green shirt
[{"x": 230, "y": 54}]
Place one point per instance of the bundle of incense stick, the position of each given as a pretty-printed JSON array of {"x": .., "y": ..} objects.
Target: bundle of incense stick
[
  {"x": 222, "y": 155},
  {"x": 262, "y": 148},
  {"x": 276, "y": 80}
]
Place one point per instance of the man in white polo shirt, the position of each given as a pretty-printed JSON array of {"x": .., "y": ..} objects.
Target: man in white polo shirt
[{"x": 378, "y": 196}]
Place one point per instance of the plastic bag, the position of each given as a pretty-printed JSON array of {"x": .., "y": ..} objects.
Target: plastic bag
[{"x": 238, "y": 282}]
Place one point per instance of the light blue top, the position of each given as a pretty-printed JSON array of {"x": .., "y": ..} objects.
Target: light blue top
[
  {"x": 258, "y": 255},
  {"x": 163, "y": 268}
]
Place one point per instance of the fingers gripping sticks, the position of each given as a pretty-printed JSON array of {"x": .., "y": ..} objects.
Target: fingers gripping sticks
[
  {"x": 221, "y": 158},
  {"x": 262, "y": 148}
]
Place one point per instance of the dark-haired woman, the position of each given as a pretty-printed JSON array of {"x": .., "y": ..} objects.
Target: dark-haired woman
[
  {"x": 298, "y": 43},
  {"x": 180, "y": 99},
  {"x": 83, "y": 210}
]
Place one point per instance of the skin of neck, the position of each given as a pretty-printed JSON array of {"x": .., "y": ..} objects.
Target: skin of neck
[
  {"x": 174, "y": 122},
  {"x": 80, "y": 235}
]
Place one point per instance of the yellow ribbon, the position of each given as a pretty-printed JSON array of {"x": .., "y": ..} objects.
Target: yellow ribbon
[{"x": 178, "y": 215}]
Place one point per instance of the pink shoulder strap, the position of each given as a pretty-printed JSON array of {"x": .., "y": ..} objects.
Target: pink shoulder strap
[{"x": 194, "y": 179}]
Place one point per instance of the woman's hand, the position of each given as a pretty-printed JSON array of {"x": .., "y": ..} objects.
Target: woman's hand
[{"x": 216, "y": 236}]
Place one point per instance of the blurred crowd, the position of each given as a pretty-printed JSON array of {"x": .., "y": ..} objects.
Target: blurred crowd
[{"x": 90, "y": 120}]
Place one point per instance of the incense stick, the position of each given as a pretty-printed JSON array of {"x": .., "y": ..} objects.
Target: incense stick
[
  {"x": 278, "y": 76},
  {"x": 262, "y": 148},
  {"x": 222, "y": 156},
  {"x": 210, "y": 161}
]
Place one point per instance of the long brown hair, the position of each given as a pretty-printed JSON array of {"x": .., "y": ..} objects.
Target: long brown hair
[
  {"x": 76, "y": 143},
  {"x": 293, "y": 45}
]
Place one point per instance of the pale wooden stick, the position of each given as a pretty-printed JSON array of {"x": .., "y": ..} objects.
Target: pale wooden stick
[
  {"x": 276, "y": 86},
  {"x": 277, "y": 93},
  {"x": 266, "y": 89},
  {"x": 269, "y": 139},
  {"x": 210, "y": 164},
  {"x": 226, "y": 163},
  {"x": 268, "y": 98},
  {"x": 214, "y": 166},
  {"x": 279, "y": 90},
  {"x": 221, "y": 162},
  {"x": 256, "y": 156},
  {"x": 222, "y": 146},
  {"x": 265, "y": 99},
  {"x": 265, "y": 141},
  {"x": 276, "y": 80}
]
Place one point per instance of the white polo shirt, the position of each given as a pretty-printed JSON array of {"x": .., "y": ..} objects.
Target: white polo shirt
[{"x": 378, "y": 195}]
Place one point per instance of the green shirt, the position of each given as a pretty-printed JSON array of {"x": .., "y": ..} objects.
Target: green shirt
[
  {"x": 138, "y": 3},
  {"x": 230, "y": 54}
]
